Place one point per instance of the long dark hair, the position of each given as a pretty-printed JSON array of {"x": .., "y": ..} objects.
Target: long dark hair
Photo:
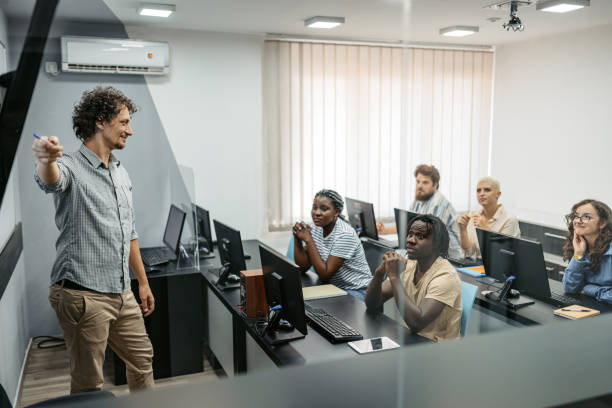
[
  {"x": 436, "y": 227},
  {"x": 602, "y": 242}
]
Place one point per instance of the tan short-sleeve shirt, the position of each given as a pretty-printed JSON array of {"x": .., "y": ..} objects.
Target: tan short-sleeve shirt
[
  {"x": 502, "y": 221},
  {"x": 441, "y": 283}
]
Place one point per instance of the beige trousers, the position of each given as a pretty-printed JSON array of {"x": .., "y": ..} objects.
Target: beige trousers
[{"x": 89, "y": 321}]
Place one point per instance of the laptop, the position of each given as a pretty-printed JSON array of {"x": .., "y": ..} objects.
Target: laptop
[{"x": 172, "y": 236}]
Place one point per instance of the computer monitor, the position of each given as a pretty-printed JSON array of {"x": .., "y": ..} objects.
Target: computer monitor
[
  {"x": 231, "y": 254},
  {"x": 174, "y": 228},
  {"x": 402, "y": 219},
  {"x": 504, "y": 257},
  {"x": 283, "y": 286},
  {"x": 205, "y": 241},
  {"x": 361, "y": 217}
]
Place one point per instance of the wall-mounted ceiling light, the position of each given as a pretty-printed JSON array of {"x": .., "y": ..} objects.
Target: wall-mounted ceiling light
[
  {"x": 458, "y": 31},
  {"x": 156, "y": 10},
  {"x": 323, "y": 22},
  {"x": 561, "y": 6}
]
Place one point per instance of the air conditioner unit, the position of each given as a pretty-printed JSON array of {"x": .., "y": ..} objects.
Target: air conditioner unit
[{"x": 114, "y": 56}]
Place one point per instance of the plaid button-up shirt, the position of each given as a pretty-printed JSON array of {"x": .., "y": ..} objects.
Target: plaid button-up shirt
[{"x": 95, "y": 217}]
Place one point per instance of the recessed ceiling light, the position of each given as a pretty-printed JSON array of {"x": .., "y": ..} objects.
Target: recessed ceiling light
[
  {"x": 156, "y": 10},
  {"x": 561, "y": 6},
  {"x": 323, "y": 22},
  {"x": 458, "y": 31}
]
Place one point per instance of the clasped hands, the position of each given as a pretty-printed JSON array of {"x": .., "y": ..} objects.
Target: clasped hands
[
  {"x": 301, "y": 231},
  {"x": 479, "y": 221},
  {"x": 393, "y": 265}
]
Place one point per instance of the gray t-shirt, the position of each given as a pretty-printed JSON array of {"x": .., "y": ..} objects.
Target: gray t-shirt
[{"x": 344, "y": 243}]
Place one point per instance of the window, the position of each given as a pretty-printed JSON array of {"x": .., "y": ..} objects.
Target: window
[{"x": 358, "y": 119}]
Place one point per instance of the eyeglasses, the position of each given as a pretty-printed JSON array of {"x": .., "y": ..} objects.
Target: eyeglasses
[{"x": 583, "y": 218}]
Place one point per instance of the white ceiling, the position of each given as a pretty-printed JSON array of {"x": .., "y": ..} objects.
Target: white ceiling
[
  {"x": 386, "y": 20},
  {"x": 375, "y": 20}
]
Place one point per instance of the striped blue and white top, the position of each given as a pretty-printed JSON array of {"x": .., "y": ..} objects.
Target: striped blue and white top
[
  {"x": 344, "y": 243},
  {"x": 439, "y": 206}
]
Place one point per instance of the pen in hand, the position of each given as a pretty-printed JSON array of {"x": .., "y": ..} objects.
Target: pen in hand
[{"x": 573, "y": 309}]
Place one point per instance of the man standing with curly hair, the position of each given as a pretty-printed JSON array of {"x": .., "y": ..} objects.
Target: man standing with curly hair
[{"x": 90, "y": 282}]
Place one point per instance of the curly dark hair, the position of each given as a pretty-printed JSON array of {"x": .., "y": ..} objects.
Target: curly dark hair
[
  {"x": 99, "y": 104},
  {"x": 437, "y": 228},
  {"x": 602, "y": 242},
  {"x": 429, "y": 171}
]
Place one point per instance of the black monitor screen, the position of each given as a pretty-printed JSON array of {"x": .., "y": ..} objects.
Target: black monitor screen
[
  {"x": 204, "y": 231},
  {"x": 532, "y": 268},
  {"x": 174, "y": 227},
  {"x": 402, "y": 219},
  {"x": 361, "y": 217},
  {"x": 497, "y": 252},
  {"x": 505, "y": 256},
  {"x": 285, "y": 288},
  {"x": 229, "y": 243}
]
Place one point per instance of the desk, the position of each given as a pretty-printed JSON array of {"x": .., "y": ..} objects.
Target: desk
[
  {"x": 189, "y": 308},
  {"x": 176, "y": 326},
  {"x": 247, "y": 351},
  {"x": 538, "y": 313}
]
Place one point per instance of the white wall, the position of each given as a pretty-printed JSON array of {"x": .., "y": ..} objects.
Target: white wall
[
  {"x": 13, "y": 304},
  {"x": 147, "y": 157},
  {"x": 211, "y": 108},
  {"x": 552, "y": 142}
]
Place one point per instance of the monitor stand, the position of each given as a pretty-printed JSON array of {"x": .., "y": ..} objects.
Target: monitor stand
[
  {"x": 225, "y": 281},
  {"x": 279, "y": 331},
  {"x": 502, "y": 297}
]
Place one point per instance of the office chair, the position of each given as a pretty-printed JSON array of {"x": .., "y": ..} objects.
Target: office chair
[
  {"x": 75, "y": 400},
  {"x": 290, "y": 253},
  {"x": 5, "y": 402},
  {"x": 468, "y": 294}
]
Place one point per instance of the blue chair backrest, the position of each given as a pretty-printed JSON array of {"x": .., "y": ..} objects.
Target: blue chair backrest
[
  {"x": 290, "y": 248},
  {"x": 468, "y": 294}
]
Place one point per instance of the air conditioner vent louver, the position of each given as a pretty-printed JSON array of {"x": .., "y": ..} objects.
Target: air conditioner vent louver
[{"x": 114, "y": 56}]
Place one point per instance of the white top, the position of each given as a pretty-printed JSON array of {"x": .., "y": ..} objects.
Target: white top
[{"x": 344, "y": 243}]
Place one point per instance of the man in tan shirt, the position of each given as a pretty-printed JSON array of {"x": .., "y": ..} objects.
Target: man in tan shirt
[
  {"x": 493, "y": 217},
  {"x": 428, "y": 291}
]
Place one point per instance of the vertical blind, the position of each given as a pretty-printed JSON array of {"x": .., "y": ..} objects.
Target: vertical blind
[{"x": 359, "y": 118}]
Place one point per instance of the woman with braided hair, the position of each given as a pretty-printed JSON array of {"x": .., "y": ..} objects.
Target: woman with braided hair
[
  {"x": 589, "y": 251},
  {"x": 331, "y": 246}
]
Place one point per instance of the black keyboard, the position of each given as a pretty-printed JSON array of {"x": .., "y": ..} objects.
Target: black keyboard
[
  {"x": 334, "y": 329},
  {"x": 563, "y": 299},
  {"x": 463, "y": 262},
  {"x": 156, "y": 256}
]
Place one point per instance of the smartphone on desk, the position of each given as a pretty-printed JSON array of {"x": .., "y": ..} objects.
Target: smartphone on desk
[{"x": 373, "y": 345}]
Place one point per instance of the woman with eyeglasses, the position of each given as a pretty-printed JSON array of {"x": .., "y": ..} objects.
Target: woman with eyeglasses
[{"x": 588, "y": 249}]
